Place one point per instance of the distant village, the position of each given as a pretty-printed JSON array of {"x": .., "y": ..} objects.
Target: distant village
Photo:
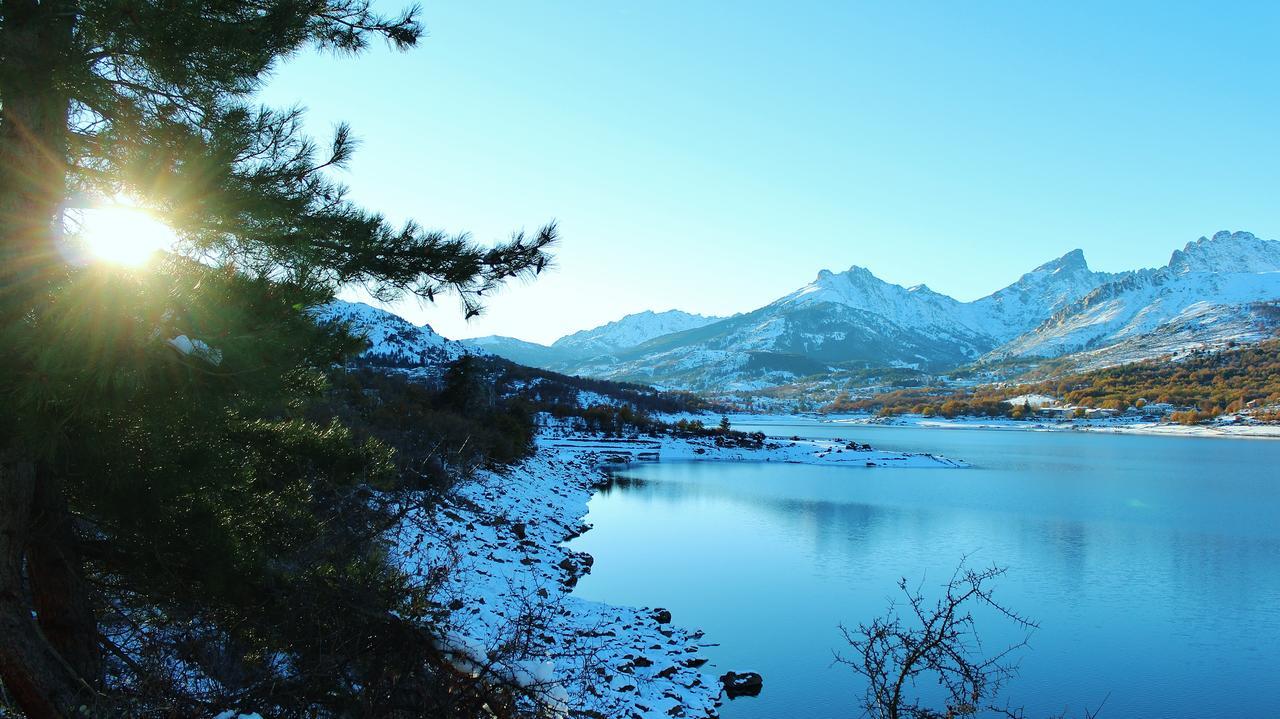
[{"x": 1052, "y": 408}]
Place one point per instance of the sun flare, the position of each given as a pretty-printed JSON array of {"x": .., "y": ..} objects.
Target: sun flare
[{"x": 123, "y": 234}]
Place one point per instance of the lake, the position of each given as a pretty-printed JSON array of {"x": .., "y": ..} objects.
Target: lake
[{"x": 1152, "y": 564}]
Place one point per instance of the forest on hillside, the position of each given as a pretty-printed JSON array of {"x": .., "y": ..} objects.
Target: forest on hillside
[
  {"x": 195, "y": 494},
  {"x": 1201, "y": 384}
]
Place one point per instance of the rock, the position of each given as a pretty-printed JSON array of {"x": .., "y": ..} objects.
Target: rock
[
  {"x": 746, "y": 684},
  {"x": 661, "y": 616},
  {"x": 518, "y": 529}
]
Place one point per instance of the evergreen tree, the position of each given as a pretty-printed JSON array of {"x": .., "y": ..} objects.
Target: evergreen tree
[{"x": 176, "y": 531}]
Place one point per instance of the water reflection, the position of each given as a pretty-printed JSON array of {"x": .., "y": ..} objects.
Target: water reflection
[{"x": 1153, "y": 566}]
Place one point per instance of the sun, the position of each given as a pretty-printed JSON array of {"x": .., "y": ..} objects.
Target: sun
[{"x": 123, "y": 234}]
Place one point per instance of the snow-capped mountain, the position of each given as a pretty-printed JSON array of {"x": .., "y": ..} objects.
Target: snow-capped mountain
[
  {"x": 851, "y": 319},
  {"x": 522, "y": 352},
  {"x": 1037, "y": 295},
  {"x": 630, "y": 331},
  {"x": 1227, "y": 252},
  {"x": 1214, "y": 290},
  {"x": 391, "y": 337},
  {"x": 596, "y": 343},
  {"x": 1208, "y": 293},
  {"x": 857, "y": 297}
]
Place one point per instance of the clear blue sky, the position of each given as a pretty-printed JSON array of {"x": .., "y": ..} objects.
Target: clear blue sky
[{"x": 714, "y": 156}]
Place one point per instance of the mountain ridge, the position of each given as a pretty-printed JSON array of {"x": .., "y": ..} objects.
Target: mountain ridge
[
  {"x": 851, "y": 318},
  {"x": 1213, "y": 290}
]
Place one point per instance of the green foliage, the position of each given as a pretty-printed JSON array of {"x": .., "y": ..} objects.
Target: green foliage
[
  {"x": 225, "y": 505},
  {"x": 549, "y": 390},
  {"x": 434, "y": 435}
]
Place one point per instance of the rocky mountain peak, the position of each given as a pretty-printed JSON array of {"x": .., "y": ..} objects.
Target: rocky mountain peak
[
  {"x": 1072, "y": 261},
  {"x": 1227, "y": 252},
  {"x": 859, "y": 272}
]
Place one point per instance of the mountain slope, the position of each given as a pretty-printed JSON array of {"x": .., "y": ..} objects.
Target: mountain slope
[
  {"x": 846, "y": 319},
  {"x": 1214, "y": 290},
  {"x": 571, "y": 351},
  {"x": 629, "y": 331},
  {"x": 522, "y": 352},
  {"x": 1037, "y": 295},
  {"x": 392, "y": 339}
]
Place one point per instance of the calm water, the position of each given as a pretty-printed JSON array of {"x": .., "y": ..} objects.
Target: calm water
[{"x": 1151, "y": 563}]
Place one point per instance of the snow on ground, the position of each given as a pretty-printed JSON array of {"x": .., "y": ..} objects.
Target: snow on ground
[
  {"x": 1113, "y": 425},
  {"x": 1033, "y": 400},
  {"x": 510, "y": 587},
  {"x": 509, "y": 578},
  {"x": 794, "y": 451}
]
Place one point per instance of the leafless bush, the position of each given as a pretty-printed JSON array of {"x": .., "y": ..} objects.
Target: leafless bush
[{"x": 936, "y": 641}]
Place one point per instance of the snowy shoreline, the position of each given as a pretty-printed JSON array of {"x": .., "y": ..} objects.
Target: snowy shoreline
[
  {"x": 1106, "y": 426},
  {"x": 504, "y": 534},
  {"x": 704, "y": 449},
  {"x": 512, "y": 608}
]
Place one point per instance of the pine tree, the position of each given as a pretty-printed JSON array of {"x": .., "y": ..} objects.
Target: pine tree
[{"x": 162, "y": 486}]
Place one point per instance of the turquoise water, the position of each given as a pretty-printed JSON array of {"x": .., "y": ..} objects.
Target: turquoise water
[{"x": 1152, "y": 564}]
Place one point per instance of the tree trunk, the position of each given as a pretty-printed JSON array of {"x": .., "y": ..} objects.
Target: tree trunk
[
  {"x": 35, "y": 45},
  {"x": 59, "y": 591},
  {"x": 39, "y": 680},
  {"x": 50, "y": 656}
]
